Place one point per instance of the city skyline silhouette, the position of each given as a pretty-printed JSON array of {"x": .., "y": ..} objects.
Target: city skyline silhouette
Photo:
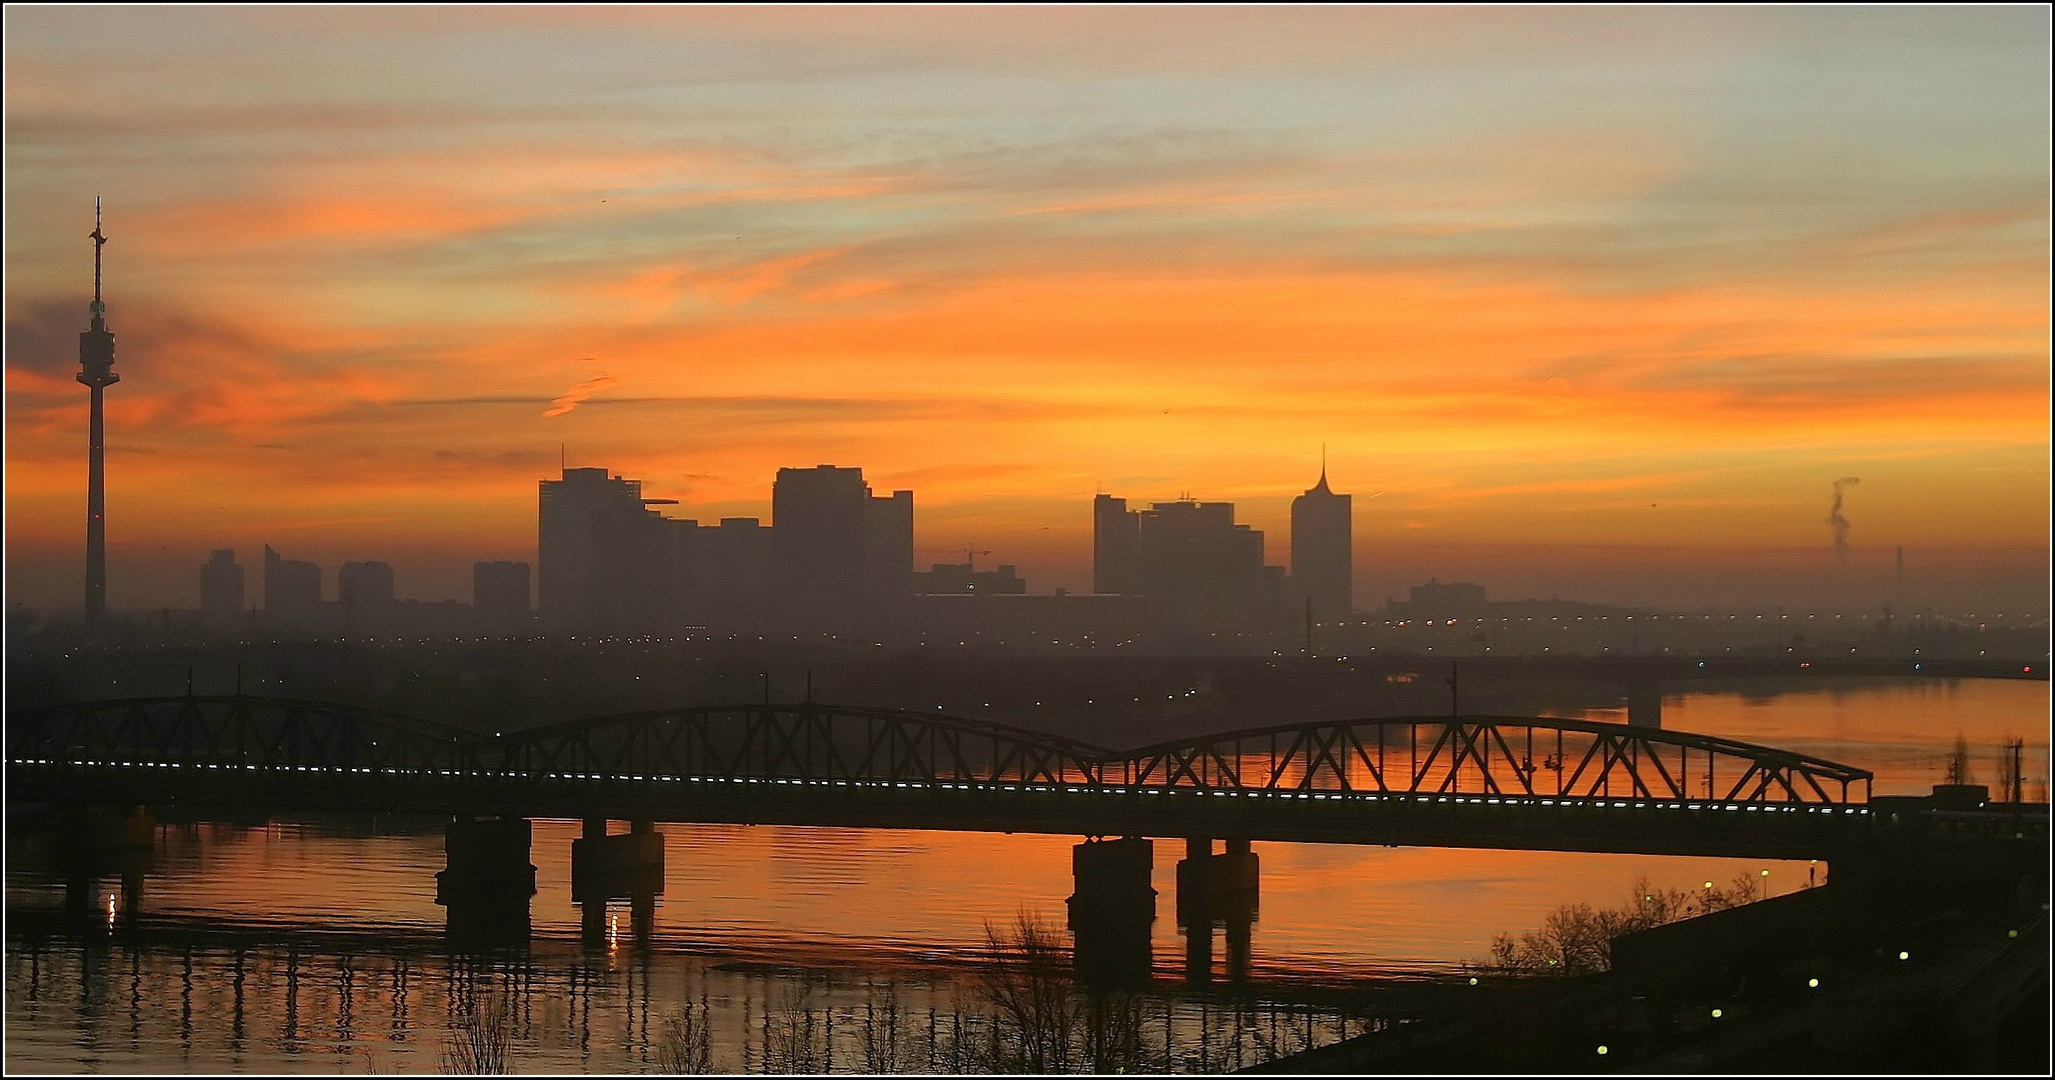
[{"x": 1580, "y": 348}]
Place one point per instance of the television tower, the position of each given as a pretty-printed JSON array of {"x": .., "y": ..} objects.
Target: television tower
[{"x": 96, "y": 363}]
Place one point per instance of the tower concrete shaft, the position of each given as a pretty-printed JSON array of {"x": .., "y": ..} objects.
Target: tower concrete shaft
[{"x": 96, "y": 371}]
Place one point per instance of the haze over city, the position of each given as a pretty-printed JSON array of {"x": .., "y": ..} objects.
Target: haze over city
[{"x": 1596, "y": 304}]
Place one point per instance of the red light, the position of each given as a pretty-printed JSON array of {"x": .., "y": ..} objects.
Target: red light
[
  {"x": 1807, "y": 664},
  {"x": 2026, "y": 671}
]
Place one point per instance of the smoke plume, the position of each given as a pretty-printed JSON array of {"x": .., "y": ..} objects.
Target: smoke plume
[{"x": 1835, "y": 519}]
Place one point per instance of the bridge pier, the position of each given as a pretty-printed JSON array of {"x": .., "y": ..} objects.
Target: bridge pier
[
  {"x": 487, "y": 881},
  {"x": 85, "y": 905},
  {"x": 1210, "y": 882},
  {"x": 1112, "y": 905},
  {"x": 624, "y": 866},
  {"x": 1219, "y": 888}
]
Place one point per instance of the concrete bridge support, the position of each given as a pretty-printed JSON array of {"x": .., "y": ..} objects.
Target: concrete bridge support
[
  {"x": 1217, "y": 888},
  {"x": 487, "y": 881},
  {"x": 617, "y": 866},
  {"x": 1112, "y": 906},
  {"x": 623, "y": 866},
  {"x": 93, "y": 843}
]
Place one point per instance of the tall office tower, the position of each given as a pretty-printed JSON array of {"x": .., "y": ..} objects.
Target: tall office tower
[
  {"x": 221, "y": 588},
  {"x": 605, "y": 559},
  {"x": 1116, "y": 545},
  {"x": 96, "y": 370},
  {"x": 499, "y": 590},
  {"x": 836, "y": 549},
  {"x": 888, "y": 545},
  {"x": 1322, "y": 550},
  {"x": 818, "y": 517},
  {"x": 364, "y": 587},
  {"x": 1192, "y": 554},
  {"x": 291, "y": 587}
]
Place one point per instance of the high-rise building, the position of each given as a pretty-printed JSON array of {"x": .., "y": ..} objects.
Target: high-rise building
[
  {"x": 291, "y": 586},
  {"x": 1186, "y": 557},
  {"x": 499, "y": 590},
  {"x": 605, "y": 559},
  {"x": 1192, "y": 553},
  {"x": 96, "y": 370},
  {"x": 364, "y": 588},
  {"x": 817, "y": 525},
  {"x": 835, "y": 546},
  {"x": 888, "y": 544},
  {"x": 1116, "y": 544},
  {"x": 1323, "y": 576},
  {"x": 221, "y": 588}
]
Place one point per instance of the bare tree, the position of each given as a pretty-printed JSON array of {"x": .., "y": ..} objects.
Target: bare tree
[
  {"x": 686, "y": 1043},
  {"x": 789, "y": 1024},
  {"x": 481, "y": 1029},
  {"x": 1958, "y": 762},
  {"x": 1112, "y": 1030},
  {"x": 1577, "y": 939},
  {"x": 880, "y": 1030},
  {"x": 1026, "y": 984}
]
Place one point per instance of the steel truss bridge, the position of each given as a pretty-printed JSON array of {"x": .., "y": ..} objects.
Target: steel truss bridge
[{"x": 1470, "y": 781}]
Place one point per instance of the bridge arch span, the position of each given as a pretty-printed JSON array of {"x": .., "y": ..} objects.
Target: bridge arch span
[
  {"x": 1496, "y": 755},
  {"x": 801, "y": 742}
]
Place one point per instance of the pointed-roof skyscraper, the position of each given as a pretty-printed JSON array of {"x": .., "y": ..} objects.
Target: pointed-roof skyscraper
[
  {"x": 1322, "y": 550},
  {"x": 96, "y": 370}
]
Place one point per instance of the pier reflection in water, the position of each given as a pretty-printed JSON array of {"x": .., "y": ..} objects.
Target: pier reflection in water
[{"x": 199, "y": 999}]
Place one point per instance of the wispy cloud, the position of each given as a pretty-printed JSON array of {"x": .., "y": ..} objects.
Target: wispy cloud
[{"x": 576, "y": 395}]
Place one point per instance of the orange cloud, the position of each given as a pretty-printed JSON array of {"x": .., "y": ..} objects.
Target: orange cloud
[{"x": 575, "y": 396}]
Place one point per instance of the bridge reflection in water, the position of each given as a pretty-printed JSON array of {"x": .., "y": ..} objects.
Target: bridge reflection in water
[{"x": 1472, "y": 781}]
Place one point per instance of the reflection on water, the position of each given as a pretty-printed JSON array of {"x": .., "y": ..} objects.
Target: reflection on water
[
  {"x": 1900, "y": 729},
  {"x": 164, "y": 1000},
  {"x": 318, "y": 947}
]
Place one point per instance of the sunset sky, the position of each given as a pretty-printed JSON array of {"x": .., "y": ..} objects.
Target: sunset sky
[{"x": 1601, "y": 301}]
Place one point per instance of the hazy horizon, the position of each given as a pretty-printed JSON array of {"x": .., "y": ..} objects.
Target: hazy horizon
[{"x": 1594, "y": 303}]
